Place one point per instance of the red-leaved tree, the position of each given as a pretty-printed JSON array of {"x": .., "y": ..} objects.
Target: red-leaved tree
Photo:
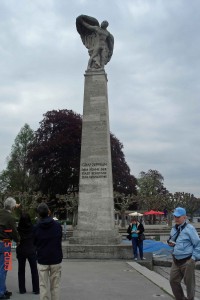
[{"x": 54, "y": 155}]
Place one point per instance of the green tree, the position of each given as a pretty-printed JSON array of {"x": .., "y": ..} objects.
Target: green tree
[
  {"x": 188, "y": 201},
  {"x": 122, "y": 204},
  {"x": 151, "y": 183},
  {"x": 16, "y": 176},
  {"x": 151, "y": 191}
]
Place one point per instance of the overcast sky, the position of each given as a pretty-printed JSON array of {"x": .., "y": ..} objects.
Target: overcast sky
[{"x": 153, "y": 77}]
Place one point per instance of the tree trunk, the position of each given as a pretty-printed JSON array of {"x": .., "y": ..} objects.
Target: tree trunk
[
  {"x": 169, "y": 217},
  {"x": 123, "y": 223}
]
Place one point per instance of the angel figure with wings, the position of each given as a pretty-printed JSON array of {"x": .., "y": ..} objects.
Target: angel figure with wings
[{"x": 97, "y": 39}]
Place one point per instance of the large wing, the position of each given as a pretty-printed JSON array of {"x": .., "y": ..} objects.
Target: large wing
[
  {"x": 88, "y": 37},
  {"x": 110, "y": 43}
]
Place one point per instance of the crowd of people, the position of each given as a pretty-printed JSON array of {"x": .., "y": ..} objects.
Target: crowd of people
[
  {"x": 40, "y": 244},
  {"x": 185, "y": 244}
]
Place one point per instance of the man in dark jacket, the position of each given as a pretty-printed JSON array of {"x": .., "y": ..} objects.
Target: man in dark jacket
[
  {"x": 48, "y": 241},
  {"x": 8, "y": 232}
]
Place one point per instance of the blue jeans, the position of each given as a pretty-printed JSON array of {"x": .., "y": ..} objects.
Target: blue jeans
[
  {"x": 4, "y": 247},
  {"x": 137, "y": 244}
]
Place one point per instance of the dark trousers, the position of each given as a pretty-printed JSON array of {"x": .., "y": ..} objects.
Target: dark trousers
[
  {"x": 185, "y": 271},
  {"x": 21, "y": 272},
  {"x": 137, "y": 244}
]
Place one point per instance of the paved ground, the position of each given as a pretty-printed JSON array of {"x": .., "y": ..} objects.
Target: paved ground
[
  {"x": 164, "y": 272},
  {"x": 99, "y": 280},
  {"x": 104, "y": 280},
  {"x": 163, "y": 269}
]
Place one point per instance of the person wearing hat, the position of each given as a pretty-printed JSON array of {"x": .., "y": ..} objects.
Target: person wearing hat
[{"x": 185, "y": 244}]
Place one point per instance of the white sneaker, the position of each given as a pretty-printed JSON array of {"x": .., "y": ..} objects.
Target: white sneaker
[
  {"x": 135, "y": 258},
  {"x": 143, "y": 258}
]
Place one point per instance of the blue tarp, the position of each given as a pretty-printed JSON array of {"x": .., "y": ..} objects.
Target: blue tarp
[
  {"x": 156, "y": 247},
  {"x": 153, "y": 246}
]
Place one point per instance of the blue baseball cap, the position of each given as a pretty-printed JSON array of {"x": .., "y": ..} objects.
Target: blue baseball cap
[{"x": 179, "y": 211}]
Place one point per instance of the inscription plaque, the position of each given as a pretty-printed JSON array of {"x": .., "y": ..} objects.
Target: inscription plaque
[{"x": 93, "y": 170}]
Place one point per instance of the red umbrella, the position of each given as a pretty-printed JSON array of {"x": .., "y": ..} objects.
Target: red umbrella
[
  {"x": 160, "y": 213},
  {"x": 153, "y": 212}
]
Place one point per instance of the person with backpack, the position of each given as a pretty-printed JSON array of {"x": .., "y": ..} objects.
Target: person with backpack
[
  {"x": 135, "y": 230},
  {"x": 185, "y": 243}
]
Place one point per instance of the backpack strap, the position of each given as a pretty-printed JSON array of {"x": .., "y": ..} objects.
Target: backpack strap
[{"x": 178, "y": 231}]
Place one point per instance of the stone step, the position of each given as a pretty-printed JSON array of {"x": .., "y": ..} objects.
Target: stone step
[
  {"x": 158, "y": 231},
  {"x": 149, "y": 232}
]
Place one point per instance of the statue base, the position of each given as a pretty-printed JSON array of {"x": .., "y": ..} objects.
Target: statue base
[
  {"x": 97, "y": 251},
  {"x": 97, "y": 237}
]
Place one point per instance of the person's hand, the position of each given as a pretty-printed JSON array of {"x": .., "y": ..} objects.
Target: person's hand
[
  {"x": 171, "y": 244},
  {"x": 17, "y": 205}
]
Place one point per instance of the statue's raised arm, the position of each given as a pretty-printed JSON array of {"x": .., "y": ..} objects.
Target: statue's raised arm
[{"x": 97, "y": 39}]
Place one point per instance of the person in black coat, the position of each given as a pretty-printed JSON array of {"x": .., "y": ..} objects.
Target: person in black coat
[
  {"x": 136, "y": 230},
  {"x": 26, "y": 251}
]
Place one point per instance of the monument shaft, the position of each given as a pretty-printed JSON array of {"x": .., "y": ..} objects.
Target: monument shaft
[{"x": 96, "y": 207}]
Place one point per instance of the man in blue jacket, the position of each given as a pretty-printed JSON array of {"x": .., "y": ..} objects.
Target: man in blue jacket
[
  {"x": 48, "y": 242},
  {"x": 186, "y": 250}
]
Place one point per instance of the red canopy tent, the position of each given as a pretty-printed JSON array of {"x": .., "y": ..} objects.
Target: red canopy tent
[{"x": 153, "y": 212}]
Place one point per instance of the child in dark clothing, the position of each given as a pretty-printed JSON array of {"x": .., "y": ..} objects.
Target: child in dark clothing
[{"x": 26, "y": 250}]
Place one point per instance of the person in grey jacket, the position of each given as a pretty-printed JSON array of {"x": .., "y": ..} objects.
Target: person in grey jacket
[{"x": 186, "y": 250}]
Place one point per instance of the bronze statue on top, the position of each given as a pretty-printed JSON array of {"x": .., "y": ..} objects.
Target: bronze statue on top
[{"x": 97, "y": 39}]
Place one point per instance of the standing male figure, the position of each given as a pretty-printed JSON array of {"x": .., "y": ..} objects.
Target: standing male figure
[
  {"x": 186, "y": 250},
  {"x": 8, "y": 232},
  {"x": 97, "y": 39},
  {"x": 97, "y": 51},
  {"x": 48, "y": 241}
]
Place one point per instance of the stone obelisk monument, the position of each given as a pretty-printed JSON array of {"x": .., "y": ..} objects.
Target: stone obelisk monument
[{"x": 96, "y": 224}]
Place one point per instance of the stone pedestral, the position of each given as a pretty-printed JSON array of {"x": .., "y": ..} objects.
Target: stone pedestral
[{"x": 96, "y": 207}]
